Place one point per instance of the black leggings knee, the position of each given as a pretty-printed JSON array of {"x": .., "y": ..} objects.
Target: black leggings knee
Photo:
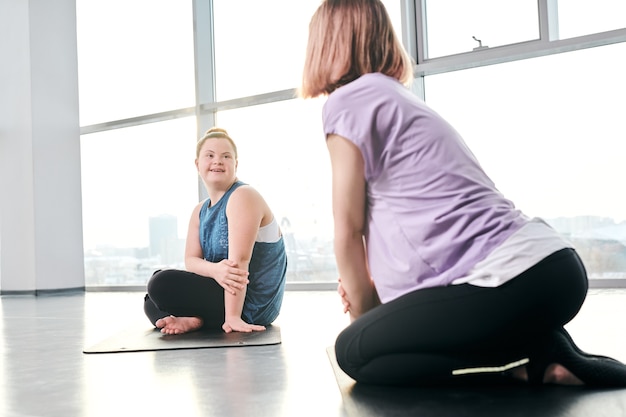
[
  {"x": 182, "y": 293},
  {"x": 426, "y": 334}
]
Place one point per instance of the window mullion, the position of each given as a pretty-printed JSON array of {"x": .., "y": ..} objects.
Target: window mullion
[
  {"x": 548, "y": 20},
  {"x": 204, "y": 52},
  {"x": 420, "y": 34}
]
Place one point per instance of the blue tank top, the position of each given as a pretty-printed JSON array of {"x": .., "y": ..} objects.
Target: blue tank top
[{"x": 268, "y": 265}]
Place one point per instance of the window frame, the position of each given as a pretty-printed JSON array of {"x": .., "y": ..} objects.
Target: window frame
[{"x": 413, "y": 24}]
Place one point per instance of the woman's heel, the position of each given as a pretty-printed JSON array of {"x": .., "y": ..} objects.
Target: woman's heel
[{"x": 593, "y": 370}]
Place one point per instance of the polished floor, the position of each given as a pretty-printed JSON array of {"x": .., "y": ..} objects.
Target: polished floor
[{"x": 43, "y": 371}]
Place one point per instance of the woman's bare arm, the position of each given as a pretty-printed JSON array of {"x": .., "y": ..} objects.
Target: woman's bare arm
[{"x": 349, "y": 205}]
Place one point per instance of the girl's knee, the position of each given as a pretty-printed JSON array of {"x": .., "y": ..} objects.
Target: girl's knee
[{"x": 158, "y": 279}]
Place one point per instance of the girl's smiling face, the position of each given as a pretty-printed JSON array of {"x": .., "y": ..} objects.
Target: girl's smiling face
[{"x": 217, "y": 162}]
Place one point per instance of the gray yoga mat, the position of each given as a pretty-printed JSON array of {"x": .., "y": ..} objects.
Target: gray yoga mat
[
  {"x": 140, "y": 339},
  {"x": 470, "y": 398}
]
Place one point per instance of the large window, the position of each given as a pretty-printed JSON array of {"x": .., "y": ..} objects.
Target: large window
[
  {"x": 139, "y": 181},
  {"x": 457, "y": 26},
  {"x": 283, "y": 155},
  {"x": 580, "y": 17},
  {"x": 259, "y": 46},
  {"x": 547, "y": 128},
  {"x": 135, "y": 58},
  {"x": 139, "y": 187},
  {"x": 553, "y": 139}
]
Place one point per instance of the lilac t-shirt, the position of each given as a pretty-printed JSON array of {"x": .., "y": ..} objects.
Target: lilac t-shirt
[{"x": 432, "y": 211}]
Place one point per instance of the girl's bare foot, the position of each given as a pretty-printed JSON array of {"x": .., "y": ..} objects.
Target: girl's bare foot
[{"x": 178, "y": 325}]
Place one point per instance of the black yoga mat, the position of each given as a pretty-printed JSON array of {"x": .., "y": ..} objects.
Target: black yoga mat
[{"x": 139, "y": 339}]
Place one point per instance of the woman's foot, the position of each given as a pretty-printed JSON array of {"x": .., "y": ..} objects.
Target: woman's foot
[
  {"x": 554, "y": 374},
  {"x": 559, "y": 375},
  {"x": 178, "y": 325},
  {"x": 559, "y": 361}
]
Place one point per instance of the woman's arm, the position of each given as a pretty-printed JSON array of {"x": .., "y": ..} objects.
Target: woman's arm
[
  {"x": 226, "y": 272},
  {"x": 349, "y": 205},
  {"x": 246, "y": 210}
]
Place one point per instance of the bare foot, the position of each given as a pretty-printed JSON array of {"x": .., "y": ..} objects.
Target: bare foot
[
  {"x": 178, "y": 325},
  {"x": 559, "y": 375},
  {"x": 554, "y": 374}
]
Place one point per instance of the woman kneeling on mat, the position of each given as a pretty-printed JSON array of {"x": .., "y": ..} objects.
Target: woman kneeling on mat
[
  {"x": 443, "y": 277},
  {"x": 234, "y": 256}
]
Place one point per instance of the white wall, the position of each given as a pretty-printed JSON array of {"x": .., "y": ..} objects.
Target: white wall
[{"x": 40, "y": 192}]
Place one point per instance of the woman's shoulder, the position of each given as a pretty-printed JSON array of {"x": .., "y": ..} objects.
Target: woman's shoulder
[{"x": 366, "y": 92}]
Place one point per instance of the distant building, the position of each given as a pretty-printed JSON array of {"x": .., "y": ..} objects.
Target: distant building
[{"x": 164, "y": 241}]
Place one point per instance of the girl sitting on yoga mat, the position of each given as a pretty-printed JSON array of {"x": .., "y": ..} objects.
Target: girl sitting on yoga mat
[
  {"x": 442, "y": 276},
  {"x": 234, "y": 256}
]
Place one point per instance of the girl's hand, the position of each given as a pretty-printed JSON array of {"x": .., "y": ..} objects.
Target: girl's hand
[
  {"x": 344, "y": 297},
  {"x": 230, "y": 277},
  {"x": 236, "y": 324}
]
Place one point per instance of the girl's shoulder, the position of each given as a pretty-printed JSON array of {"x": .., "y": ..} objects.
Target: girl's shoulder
[
  {"x": 245, "y": 193},
  {"x": 247, "y": 201}
]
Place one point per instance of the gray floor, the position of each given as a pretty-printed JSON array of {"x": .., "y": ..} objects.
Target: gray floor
[{"x": 45, "y": 373}]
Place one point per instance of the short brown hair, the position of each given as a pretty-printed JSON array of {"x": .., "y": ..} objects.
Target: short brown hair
[
  {"x": 215, "y": 133},
  {"x": 349, "y": 38}
]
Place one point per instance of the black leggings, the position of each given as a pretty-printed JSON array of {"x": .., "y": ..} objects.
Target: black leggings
[
  {"x": 182, "y": 293},
  {"x": 423, "y": 336}
]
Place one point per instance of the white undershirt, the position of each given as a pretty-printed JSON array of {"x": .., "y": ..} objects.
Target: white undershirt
[
  {"x": 269, "y": 233},
  {"x": 523, "y": 249}
]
